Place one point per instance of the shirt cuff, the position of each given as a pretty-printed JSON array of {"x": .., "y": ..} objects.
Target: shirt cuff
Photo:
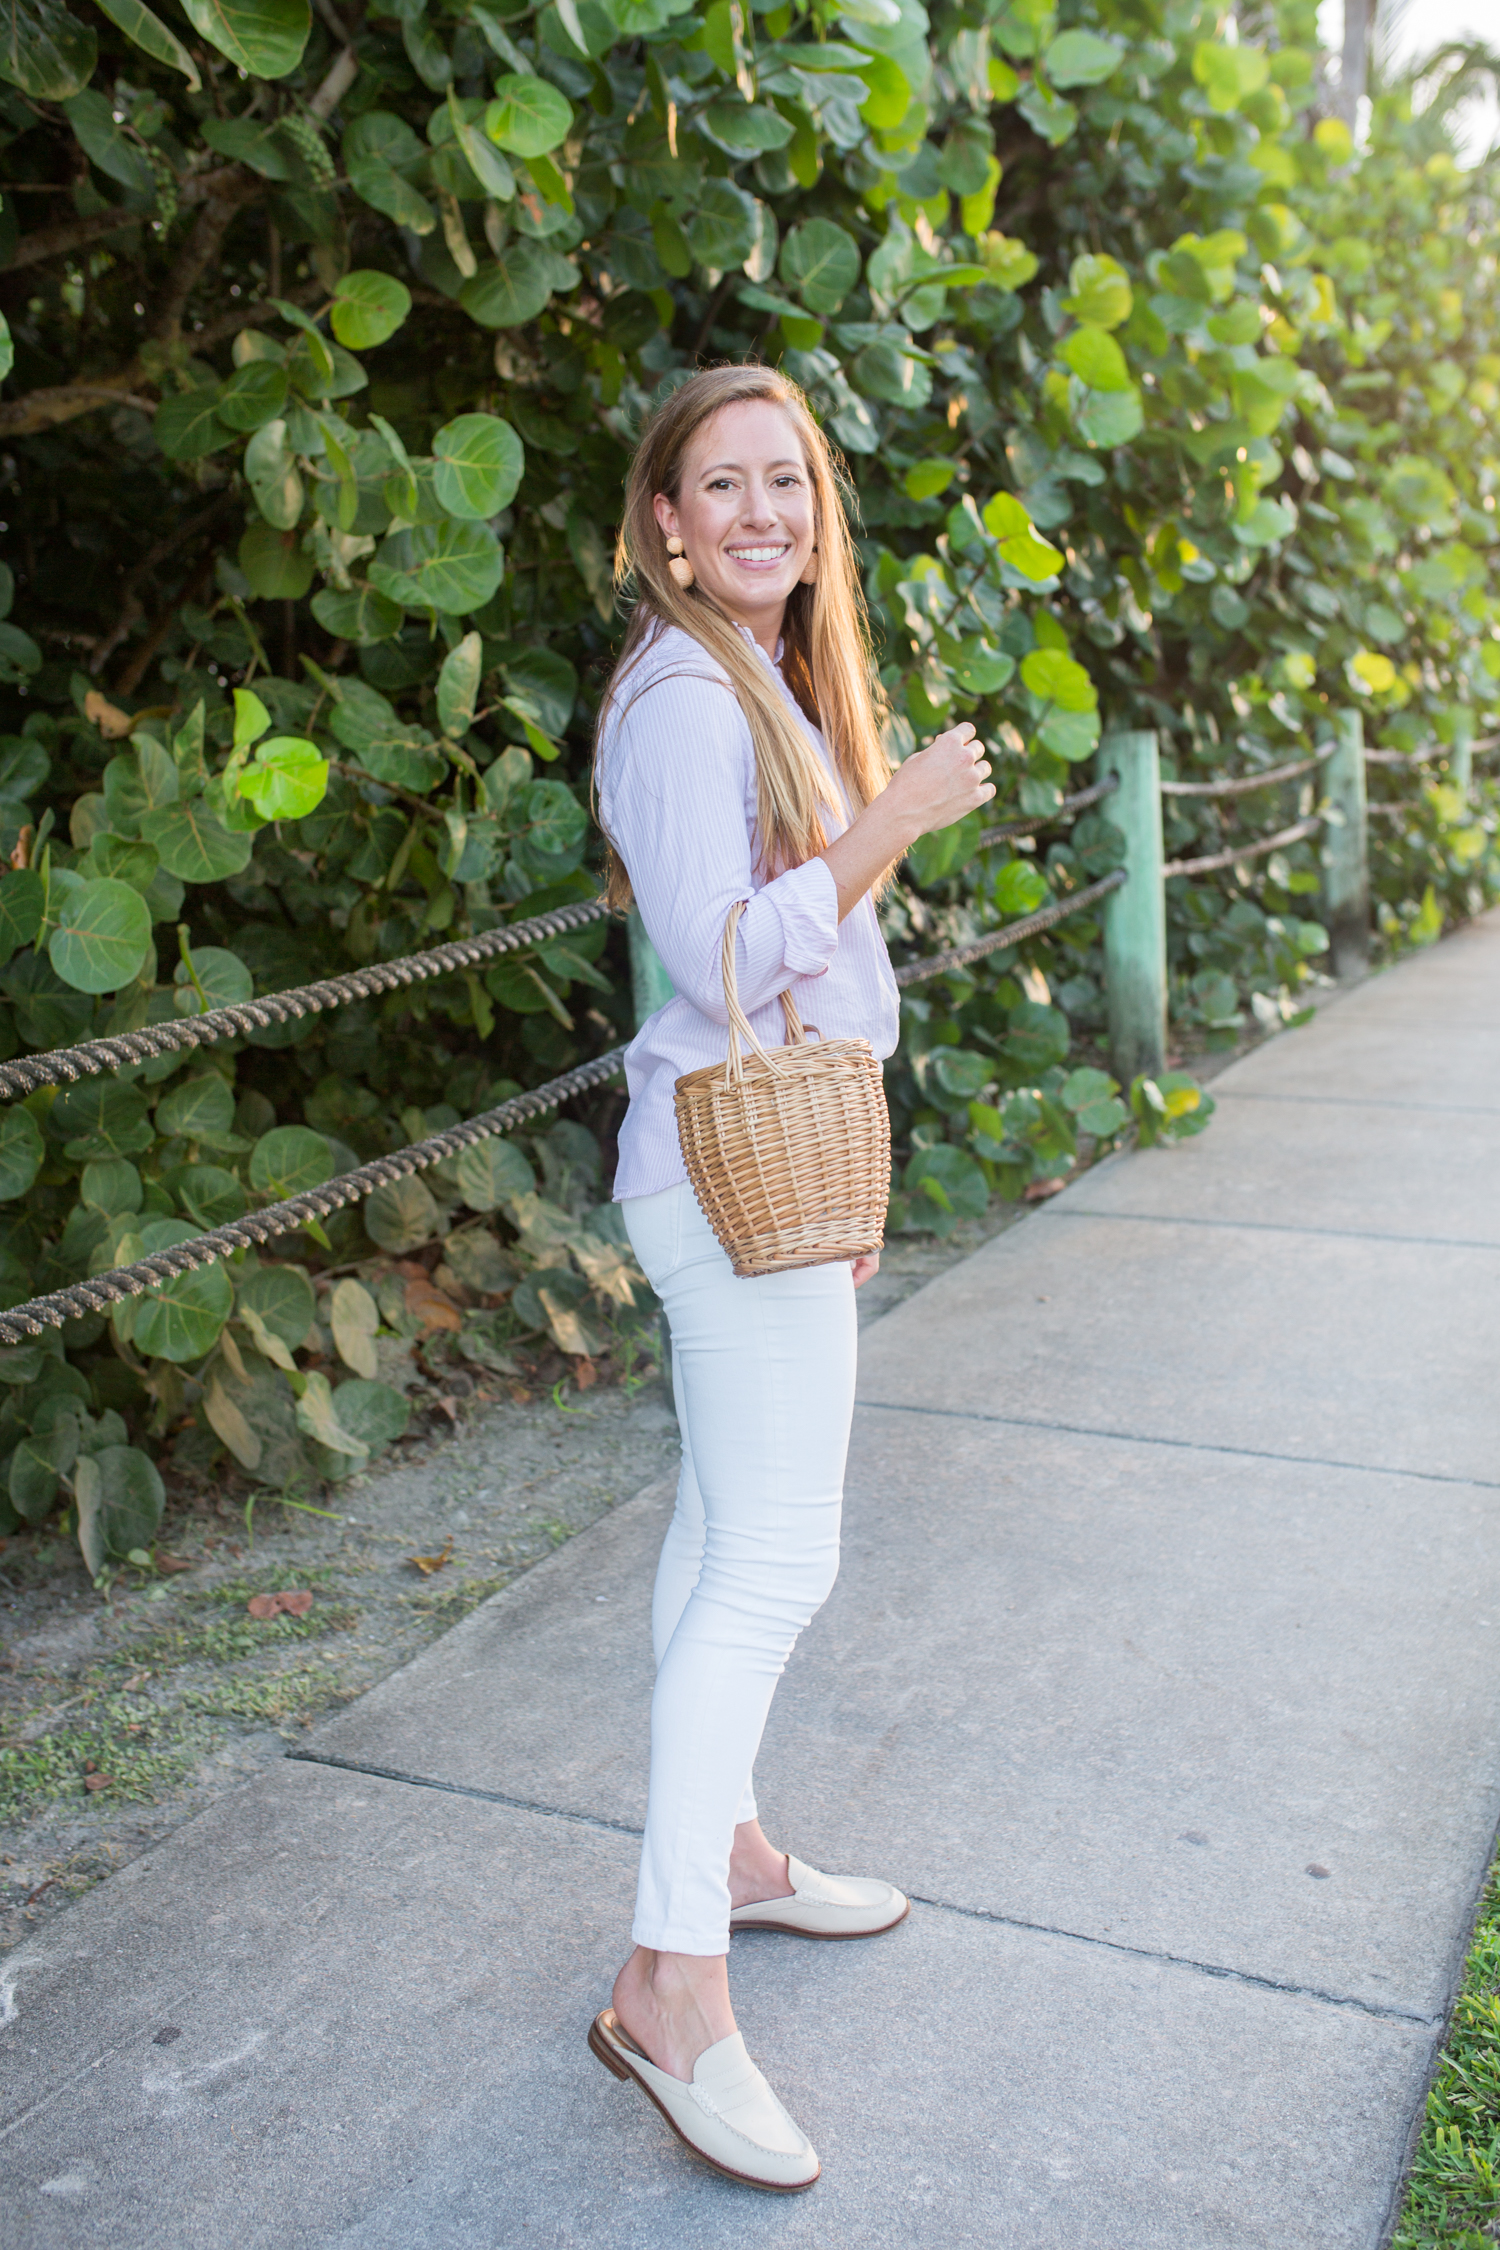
[{"x": 807, "y": 903}]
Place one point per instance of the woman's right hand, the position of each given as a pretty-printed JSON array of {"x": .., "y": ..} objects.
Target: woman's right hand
[
  {"x": 941, "y": 784},
  {"x": 935, "y": 787}
]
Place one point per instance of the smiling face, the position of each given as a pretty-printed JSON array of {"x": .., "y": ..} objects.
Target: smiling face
[{"x": 745, "y": 512}]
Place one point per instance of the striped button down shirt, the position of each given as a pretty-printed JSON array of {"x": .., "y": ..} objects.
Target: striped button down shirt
[{"x": 677, "y": 797}]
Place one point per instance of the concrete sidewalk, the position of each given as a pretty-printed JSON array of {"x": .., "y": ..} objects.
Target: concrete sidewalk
[{"x": 1163, "y": 1670}]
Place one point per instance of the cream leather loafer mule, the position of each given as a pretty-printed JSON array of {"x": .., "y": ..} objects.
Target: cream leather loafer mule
[
  {"x": 728, "y": 2115},
  {"x": 826, "y": 1906}
]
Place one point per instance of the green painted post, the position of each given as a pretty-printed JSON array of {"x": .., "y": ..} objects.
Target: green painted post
[
  {"x": 1346, "y": 861},
  {"x": 650, "y": 986},
  {"x": 1135, "y": 916},
  {"x": 1461, "y": 755}
]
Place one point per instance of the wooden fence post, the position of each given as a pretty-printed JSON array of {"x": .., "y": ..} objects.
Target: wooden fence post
[
  {"x": 650, "y": 986},
  {"x": 1135, "y": 916},
  {"x": 1346, "y": 861}
]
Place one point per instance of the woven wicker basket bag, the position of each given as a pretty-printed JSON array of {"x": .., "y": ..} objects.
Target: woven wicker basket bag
[{"x": 789, "y": 1153}]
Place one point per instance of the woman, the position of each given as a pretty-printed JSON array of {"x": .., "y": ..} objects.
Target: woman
[{"x": 739, "y": 758}]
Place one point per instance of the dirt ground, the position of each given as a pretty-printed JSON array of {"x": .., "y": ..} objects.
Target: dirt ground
[{"x": 121, "y": 1717}]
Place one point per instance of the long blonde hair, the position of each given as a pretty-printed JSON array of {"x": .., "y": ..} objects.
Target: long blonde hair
[{"x": 826, "y": 661}]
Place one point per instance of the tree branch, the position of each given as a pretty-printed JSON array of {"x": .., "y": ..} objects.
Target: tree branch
[
  {"x": 201, "y": 249},
  {"x": 63, "y": 402},
  {"x": 77, "y": 234}
]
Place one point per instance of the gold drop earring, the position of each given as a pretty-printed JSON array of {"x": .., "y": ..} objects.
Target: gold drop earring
[
  {"x": 810, "y": 573},
  {"x": 679, "y": 566}
]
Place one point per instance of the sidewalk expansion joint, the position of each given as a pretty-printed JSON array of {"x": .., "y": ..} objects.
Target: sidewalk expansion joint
[
  {"x": 1186, "y": 1961},
  {"x": 1178, "y": 1444},
  {"x": 1271, "y": 1226},
  {"x": 462, "y": 1789},
  {"x": 938, "y": 1905}
]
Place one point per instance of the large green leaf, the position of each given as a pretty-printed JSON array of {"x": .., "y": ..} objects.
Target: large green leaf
[
  {"x": 479, "y": 464},
  {"x": 724, "y": 226},
  {"x": 21, "y": 1152},
  {"x": 247, "y": 142},
  {"x": 368, "y": 308},
  {"x": 282, "y": 1298},
  {"x": 1096, "y": 359},
  {"x": 273, "y": 476},
  {"x": 513, "y": 288},
  {"x": 103, "y": 937},
  {"x": 1082, "y": 58},
  {"x": 38, "y": 1462},
  {"x": 379, "y": 151},
  {"x": 491, "y": 1172},
  {"x": 450, "y": 567},
  {"x": 274, "y": 563},
  {"x": 120, "y": 1500},
  {"x": 193, "y": 845},
  {"x": 93, "y": 121},
  {"x": 528, "y": 116},
  {"x": 101, "y": 1119},
  {"x": 264, "y": 38},
  {"x": 187, "y": 426},
  {"x": 253, "y": 395},
  {"x": 401, "y": 1217},
  {"x": 22, "y": 899},
  {"x": 286, "y": 779},
  {"x": 45, "y": 51},
  {"x": 458, "y": 686},
  {"x": 744, "y": 130},
  {"x": 821, "y": 262},
  {"x": 151, "y": 35},
  {"x": 180, "y": 1319},
  {"x": 198, "y": 1106},
  {"x": 288, "y": 1160},
  {"x": 360, "y": 615}
]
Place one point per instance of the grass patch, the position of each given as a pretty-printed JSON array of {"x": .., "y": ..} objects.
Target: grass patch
[
  {"x": 228, "y": 1640},
  {"x": 269, "y": 1699},
  {"x": 142, "y": 1751},
  {"x": 1453, "y": 2194}
]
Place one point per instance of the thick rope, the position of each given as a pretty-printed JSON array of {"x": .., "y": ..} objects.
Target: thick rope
[
  {"x": 60, "y": 1066},
  {"x": 1250, "y": 782},
  {"x": 1035, "y": 821},
  {"x": 104, "y": 1289},
  {"x": 1014, "y": 933},
  {"x": 1274, "y": 843}
]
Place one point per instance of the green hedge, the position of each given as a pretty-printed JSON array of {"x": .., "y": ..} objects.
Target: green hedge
[{"x": 331, "y": 335}]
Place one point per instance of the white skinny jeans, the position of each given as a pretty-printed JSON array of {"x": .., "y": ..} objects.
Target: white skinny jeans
[{"x": 763, "y": 1372}]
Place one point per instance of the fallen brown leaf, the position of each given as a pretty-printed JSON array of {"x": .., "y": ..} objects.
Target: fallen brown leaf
[
  {"x": 171, "y": 1563},
  {"x": 427, "y": 1564},
  {"x": 272, "y": 1605},
  {"x": 431, "y": 1306},
  {"x": 448, "y": 1406},
  {"x": 1039, "y": 1190},
  {"x": 95, "y": 1781}
]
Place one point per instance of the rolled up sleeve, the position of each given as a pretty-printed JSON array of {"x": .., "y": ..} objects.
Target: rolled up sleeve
[{"x": 677, "y": 783}]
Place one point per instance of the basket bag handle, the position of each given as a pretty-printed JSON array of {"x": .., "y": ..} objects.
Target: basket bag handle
[{"x": 739, "y": 1022}]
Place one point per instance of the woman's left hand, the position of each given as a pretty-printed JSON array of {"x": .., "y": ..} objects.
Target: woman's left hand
[{"x": 865, "y": 1267}]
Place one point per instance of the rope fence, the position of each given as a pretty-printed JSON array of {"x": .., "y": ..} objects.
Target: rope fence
[
  {"x": 1247, "y": 784},
  {"x": 1267, "y": 844},
  {"x": 1136, "y": 773},
  {"x": 62, "y": 1066},
  {"x": 1034, "y": 821}
]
